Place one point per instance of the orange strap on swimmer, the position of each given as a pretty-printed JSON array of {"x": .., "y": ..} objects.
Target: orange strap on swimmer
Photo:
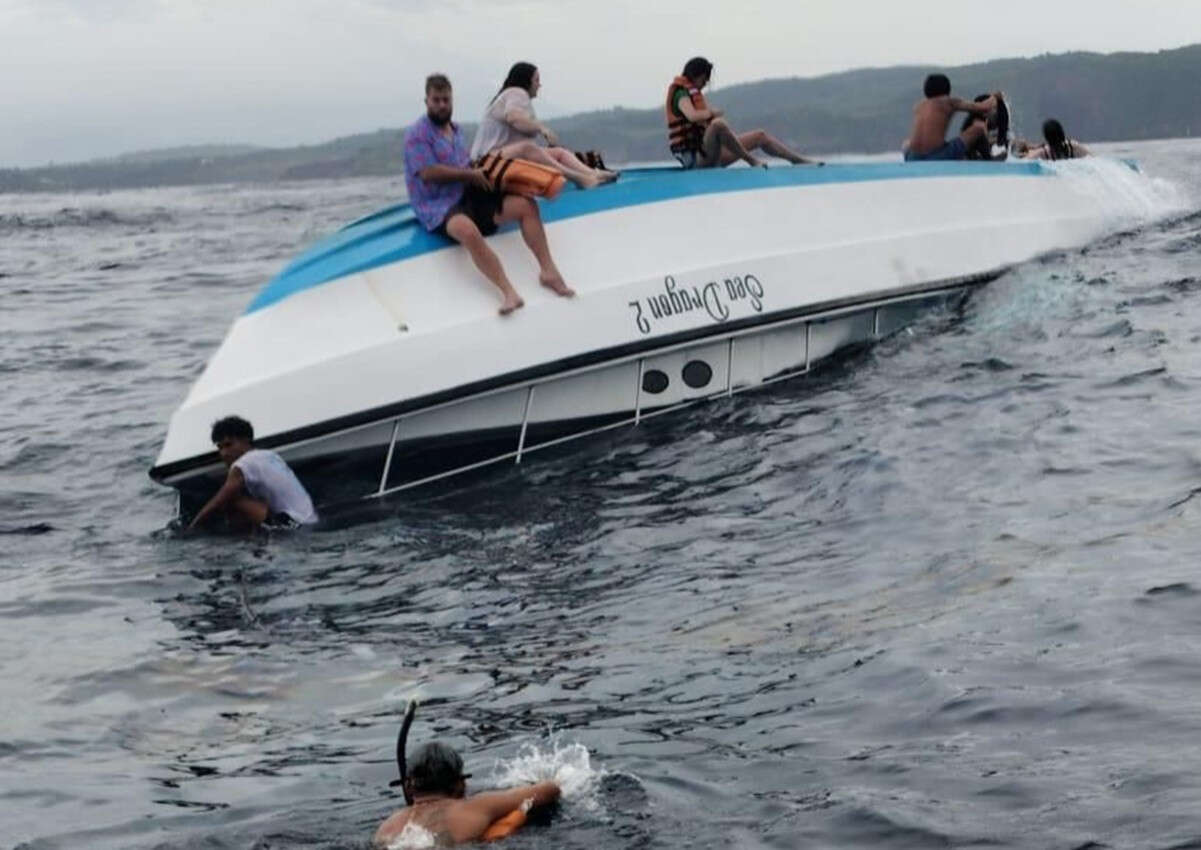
[
  {"x": 506, "y": 826},
  {"x": 520, "y": 177}
]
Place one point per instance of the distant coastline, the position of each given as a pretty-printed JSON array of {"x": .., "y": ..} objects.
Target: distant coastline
[{"x": 1099, "y": 97}]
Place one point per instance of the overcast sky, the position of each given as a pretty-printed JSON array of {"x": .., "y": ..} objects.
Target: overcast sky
[{"x": 89, "y": 78}]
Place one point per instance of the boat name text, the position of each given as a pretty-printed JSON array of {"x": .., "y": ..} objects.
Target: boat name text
[{"x": 714, "y": 298}]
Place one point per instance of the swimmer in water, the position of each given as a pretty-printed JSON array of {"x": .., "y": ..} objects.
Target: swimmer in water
[
  {"x": 1057, "y": 145},
  {"x": 437, "y": 787}
]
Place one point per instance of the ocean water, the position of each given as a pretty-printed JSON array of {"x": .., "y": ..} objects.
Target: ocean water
[{"x": 942, "y": 593}]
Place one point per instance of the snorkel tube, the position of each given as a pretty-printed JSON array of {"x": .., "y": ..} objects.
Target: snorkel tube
[
  {"x": 500, "y": 828},
  {"x": 401, "y": 739}
]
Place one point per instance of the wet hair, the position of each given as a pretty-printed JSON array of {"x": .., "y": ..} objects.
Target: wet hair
[
  {"x": 936, "y": 85},
  {"x": 521, "y": 76},
  {"x": 983, "y": 148},
  {"x": 1058, "y": 146},
  {"x": 437, "y": 82},
  {"x": 232, "y": 426},
  {"x": 436, "y": 769},
  {"x": 697, "y": 67},
  {"x": 971, "y": 119}
]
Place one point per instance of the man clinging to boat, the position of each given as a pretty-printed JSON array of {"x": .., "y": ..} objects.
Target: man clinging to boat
[
  {"x": 260, "y": 488},
  {"x": 698, "y": 134},
  {"x": 440, "y": 807},
  {"x": 451, "y": 198},
  {"x": 932, "y": 115}
]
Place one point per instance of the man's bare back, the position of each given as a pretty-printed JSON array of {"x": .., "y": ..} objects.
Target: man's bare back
[
  {"x": 454, "y": 820},
  {"x": 932, "y": 116}
]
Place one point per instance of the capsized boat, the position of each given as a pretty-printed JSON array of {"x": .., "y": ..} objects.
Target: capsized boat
[{"x": 376, "y": 360}]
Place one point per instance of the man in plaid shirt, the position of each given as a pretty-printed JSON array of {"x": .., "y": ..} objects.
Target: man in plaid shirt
[{"x": 453, "y": 199}]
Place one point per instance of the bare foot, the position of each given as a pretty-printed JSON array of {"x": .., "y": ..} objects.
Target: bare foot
[
  {"x": 608, "y": 176},
  {"x": 587, "y": 181},
  {"x": 511, "y": 303},
  {"x": 554, "y": 282}
]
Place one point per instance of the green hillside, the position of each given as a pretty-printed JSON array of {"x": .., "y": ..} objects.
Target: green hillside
[{"x": 1099, "y": 97}]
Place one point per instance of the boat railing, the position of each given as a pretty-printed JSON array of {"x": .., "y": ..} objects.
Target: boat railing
[{"x": 731, "y": 338}]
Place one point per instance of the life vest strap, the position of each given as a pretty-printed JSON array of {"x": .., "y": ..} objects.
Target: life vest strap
[{"x": 520, "y": 177}]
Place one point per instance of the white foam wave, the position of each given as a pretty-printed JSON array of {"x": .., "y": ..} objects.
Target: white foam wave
[
  {"x": 568, "y": 764},
  {"x": 413, "y": 837},
  {"x": 1121, "y": 191}
]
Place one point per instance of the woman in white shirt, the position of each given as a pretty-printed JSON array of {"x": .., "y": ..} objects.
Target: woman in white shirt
[{"x": 510, "y": 128}]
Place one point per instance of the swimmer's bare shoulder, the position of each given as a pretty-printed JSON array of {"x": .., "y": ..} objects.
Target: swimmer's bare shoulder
[{"x": 457, "y": 821}]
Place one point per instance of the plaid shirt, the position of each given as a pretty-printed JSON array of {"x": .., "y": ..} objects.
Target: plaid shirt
[{"x": 425, "y": 145}]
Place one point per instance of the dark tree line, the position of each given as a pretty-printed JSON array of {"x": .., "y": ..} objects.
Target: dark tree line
[{"x": 1119, "y": 96}]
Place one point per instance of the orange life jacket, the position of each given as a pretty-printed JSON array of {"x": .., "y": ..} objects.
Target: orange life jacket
[
  {"x": 520, "y": 177},
  {"x": 682, "y": 134}
]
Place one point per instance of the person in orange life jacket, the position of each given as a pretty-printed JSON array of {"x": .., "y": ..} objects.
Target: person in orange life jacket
[{"x": 700, "y": 137}]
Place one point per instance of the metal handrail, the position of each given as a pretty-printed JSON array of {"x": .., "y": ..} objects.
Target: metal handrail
[{"x": 638, "y": 414}]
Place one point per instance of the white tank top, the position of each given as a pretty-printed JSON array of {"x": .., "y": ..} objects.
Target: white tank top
[{"x": 269, "y": 479}]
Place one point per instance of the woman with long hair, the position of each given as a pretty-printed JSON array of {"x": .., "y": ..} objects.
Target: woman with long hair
[
  {"x": 510, "y": 128},
  {"x": 1056, "y": 145}
]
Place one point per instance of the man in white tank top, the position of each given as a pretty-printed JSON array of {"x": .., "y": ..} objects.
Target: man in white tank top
[{"x": 261, "y": 488}]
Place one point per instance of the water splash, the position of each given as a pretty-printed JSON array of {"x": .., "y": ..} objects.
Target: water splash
[
  {"x": 1023, "y": 301},
  {"x": 569, "y": 765},
  {"x": 1120, "y": 190},
  {"x": 413, "y": 837}
]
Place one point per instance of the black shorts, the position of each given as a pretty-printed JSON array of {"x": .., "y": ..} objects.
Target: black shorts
[{"x": 478, "y": 205}]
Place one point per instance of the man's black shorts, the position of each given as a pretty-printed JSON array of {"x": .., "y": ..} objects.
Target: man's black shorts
[{"x": 478, "y": 205}]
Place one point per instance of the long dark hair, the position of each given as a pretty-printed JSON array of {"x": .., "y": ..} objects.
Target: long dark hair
[
  {"x": 997, "y": 124},
  {"x": 1058, "y": 146},
  {"x": 521, "y": 76}
]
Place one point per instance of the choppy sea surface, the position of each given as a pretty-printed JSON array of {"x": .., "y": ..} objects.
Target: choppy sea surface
[{"x": 944, "y": 592}]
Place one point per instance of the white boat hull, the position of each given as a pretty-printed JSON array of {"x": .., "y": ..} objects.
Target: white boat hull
[{"x": 403, "y": 366}]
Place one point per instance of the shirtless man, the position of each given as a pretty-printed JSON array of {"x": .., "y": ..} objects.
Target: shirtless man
[
  {"x": 436, "y": 785},
  {"x": 932, "y": 116}
]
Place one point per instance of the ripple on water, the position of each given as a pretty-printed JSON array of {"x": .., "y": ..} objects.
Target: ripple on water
[{"x": 938, "y": 593}]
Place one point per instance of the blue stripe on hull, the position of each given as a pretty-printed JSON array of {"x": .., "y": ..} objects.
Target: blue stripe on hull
[{"x": 393, "y": 234}]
